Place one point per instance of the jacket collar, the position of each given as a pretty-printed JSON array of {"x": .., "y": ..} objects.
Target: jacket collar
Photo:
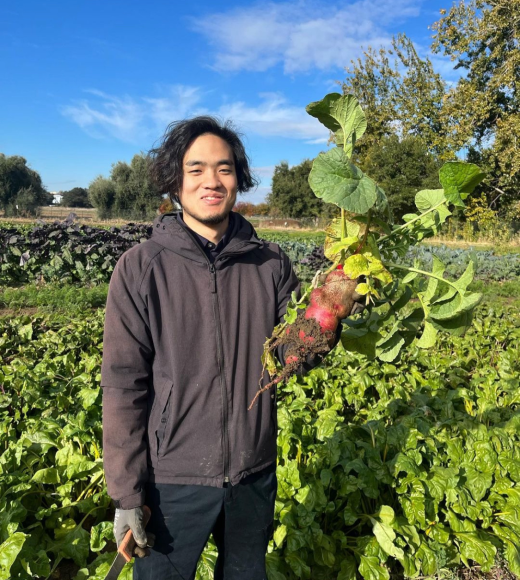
[{"x": 173, "y": 235}]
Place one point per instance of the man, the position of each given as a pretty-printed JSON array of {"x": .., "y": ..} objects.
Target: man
[{"x": 187, "y": 314}]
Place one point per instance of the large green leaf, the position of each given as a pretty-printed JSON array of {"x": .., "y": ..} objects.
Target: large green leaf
[
  {"x": 512, "y": 547},
  {"x": 273, "y": 565},
  {"x": 343, "y": 115},
  {"x": 429, "y": 198},
  {"x": 455, "y": 306},
  {"x": 72, "y": 541},
  {"x": 100, "y": 534},
  {"x": 385, "y": 536},
  {"x": 371, "y": 569},
  {"x": 478, "y": 483},
  {"x": 426, "y": 557},
  {"x": 335, "y": 179},
  {"x": 459, "y": 179},
  {"x": 477, "y": 546},
  {"x": 9, "y": 551},
  {"x": 46, "y": 475},
  {"x": 348, "y": 569}
]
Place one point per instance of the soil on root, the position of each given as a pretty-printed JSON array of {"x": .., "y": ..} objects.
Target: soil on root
[{"x": 304, "y": 339}]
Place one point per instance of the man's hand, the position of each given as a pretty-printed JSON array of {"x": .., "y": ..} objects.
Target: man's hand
[{"x": 133, "y": 520}]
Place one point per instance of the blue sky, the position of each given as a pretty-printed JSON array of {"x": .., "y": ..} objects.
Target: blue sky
[{"x": 86, "y": 84}]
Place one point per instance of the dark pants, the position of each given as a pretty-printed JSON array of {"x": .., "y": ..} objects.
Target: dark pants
[{"x": 183, "y": 517}]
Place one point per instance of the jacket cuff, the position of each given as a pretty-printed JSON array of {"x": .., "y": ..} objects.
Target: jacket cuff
[{"x": 131, "y": 501}]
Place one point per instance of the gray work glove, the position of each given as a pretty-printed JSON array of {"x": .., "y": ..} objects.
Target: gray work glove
[
  {"x": 359, "y": 304},
  {"x": 132, "y": 519}
]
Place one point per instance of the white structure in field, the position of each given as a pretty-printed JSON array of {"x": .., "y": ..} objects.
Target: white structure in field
[{"x": 57, "y": 197}]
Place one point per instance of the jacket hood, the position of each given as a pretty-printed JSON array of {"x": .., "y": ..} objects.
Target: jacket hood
[{"x": 173, "y": 235}]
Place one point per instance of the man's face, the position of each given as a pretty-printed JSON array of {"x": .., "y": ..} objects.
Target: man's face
[{"x": 209, "y": 186}]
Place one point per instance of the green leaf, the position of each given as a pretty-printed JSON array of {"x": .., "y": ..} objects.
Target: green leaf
[
  {"x": 280, "y": 534},
  {"x": 386, "y": 514},
  {"x": 298, "y": 565},
  {"x": 360, "y": 340},
  {"x": 455, "y": 306},
  {"x": 334, "y": 249},
  {"x": 385, "y": 536},
  {"x": 356, "y": 265},
  {"x": 72, "y": 541},
  {"x": 389, "y": 347},
  {"x": 273, "y": 565},
  {"x": 348, "y": 569},
  {"x": 428, "y": 337},
  {"x": 35, "y": 563},
  {"x": 88, "y": 397},
  {"x": 478, "y": 483},
  {"x": 512, "y": 547},
  {"x": 371, "y": 569},
  {"x": 343, "y": 112},
  {"x": 206, "y": 563},
  {"x": 429, "y": 198},
  {"x": 335, "y": 179},
  {"x": 475, "y": 546},
  {"x": 9, "y": 551},
  {"x": 467, "y": 278},
  {"x": 47, "y": 475},
  {"x": 426, "y": 556},
  {"x": 99, "y": 534},
  {"x": 459, "y": 179}
]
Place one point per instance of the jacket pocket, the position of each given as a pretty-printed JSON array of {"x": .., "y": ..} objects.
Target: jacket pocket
[{"x": 164, "y": 422}]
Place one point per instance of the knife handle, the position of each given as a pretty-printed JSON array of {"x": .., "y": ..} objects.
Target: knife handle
[{"x": 127, "y": 546}]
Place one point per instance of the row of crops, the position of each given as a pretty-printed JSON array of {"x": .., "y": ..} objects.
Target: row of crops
[
  {"x": 74, "y": 253},
  {"x": 402, "y": 469}
]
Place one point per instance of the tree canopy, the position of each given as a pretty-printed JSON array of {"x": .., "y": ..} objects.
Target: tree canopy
[
  {"x": 75, "y": 197},
  {"x": 400, "y": 93},
  {"x": 482, "y": 110},
  {"x": 402, "y": 167},
  {"x": 21, "y": 189},
  {"x": 129, "y": 191},
  {"x": 291, "y": 195}
]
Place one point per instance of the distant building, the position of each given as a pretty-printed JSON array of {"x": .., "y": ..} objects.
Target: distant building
[{"x": 57, "y": 197}]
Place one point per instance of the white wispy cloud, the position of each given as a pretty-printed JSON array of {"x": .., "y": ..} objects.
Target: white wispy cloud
[
  {"x": 265, "y": 172},
  {"x": 139, "y": 119},
  {"x": 301, "y": 35}
]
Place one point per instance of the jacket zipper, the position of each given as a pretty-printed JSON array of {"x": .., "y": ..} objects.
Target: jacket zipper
[
  {"x": 220, "y": 359},
  {"x": 220, "y": 354}
]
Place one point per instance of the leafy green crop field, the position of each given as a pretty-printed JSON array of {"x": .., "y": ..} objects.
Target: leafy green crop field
[{"x": 408, "y": 469}]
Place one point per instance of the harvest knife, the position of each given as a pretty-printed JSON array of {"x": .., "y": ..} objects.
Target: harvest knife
[{"x": 126, "y": 549}]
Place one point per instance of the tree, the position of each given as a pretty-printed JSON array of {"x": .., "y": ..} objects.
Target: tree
[
  {"x": 102, "y": 193},
  {"x": 402, "y": 167},
  {"x": 400, "y": 96},
  {"x": 21, "y": 189},
  {"x": 262, "y": 208},
  {"x": 291, "y": 195},
  {"x": 75, "y": 197},
  {"x": 245, "y": 208},
  {"x": 483, "y": 108},
  {"x": 129, "y": 193}
]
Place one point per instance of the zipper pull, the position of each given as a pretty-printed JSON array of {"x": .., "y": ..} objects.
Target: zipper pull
[{"x": 213, "y": 278}]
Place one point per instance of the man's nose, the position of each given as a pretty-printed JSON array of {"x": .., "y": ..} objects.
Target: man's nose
[{"x": 212, "y": 180}]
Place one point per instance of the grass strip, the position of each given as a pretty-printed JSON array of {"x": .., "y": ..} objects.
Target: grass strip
[{"x": 53, "y": 297}]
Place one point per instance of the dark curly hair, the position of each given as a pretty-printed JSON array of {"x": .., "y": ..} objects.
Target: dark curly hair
[{"x": 166, "y": 159}]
